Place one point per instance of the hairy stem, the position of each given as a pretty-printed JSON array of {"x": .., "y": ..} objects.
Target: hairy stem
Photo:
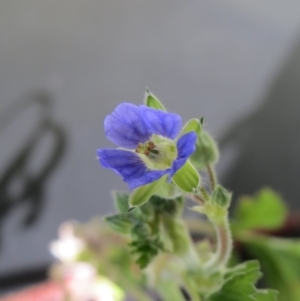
[
  {"x": 204, "y": 193},
  {"x": 212, "y": 176},
  {"x": 198, "y": 199},
  {"x": 224, "y": 246}
]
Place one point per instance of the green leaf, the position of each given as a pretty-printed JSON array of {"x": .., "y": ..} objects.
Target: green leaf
[
  {"x": 121, "y": 201},
  {"x": 266, "y": 210},
  {"x": 187, "y": 178},
  {"x": 206, "y": 152},
  {"x": 193, "y": 125},
  {"x": 145, "y": 250},
  {"x": 140, "y": 230},
  {"x": 121, "y": 223},
  {"x": 143, "y": 193},
  {"x": 170, "y": 207},
  {"x": 280, "y": 263},
  {"x": 266, "y": 295},
  {"x": 147, "y": 212},
  {"x": 239, "y": 285},
  {"x": 152, "y": 102}
]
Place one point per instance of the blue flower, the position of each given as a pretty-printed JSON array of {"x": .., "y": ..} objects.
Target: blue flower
[{"x": 149, "y": 144}]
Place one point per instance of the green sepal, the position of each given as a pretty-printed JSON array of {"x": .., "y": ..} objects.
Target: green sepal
[
  {"x": 206, "y": 152},
  {"x": 187, "y": 178},
  {"x": 121, "y": 223},
  {"x": 221, "y": 197},
  {"x": 121, "y": 200},
  {"x": 214, "y": 212},
  {"x": 143, "y": 193},
  {"x": 193, "y": 125},
  {"x": 168, "y": 191},
  {"x": 152, "y": 102}
]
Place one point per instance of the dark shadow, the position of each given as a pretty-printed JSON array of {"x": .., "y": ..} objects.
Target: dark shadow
[
  {"x": 32, "y": 192},
  {"x": 269, "y": 139},
  {"x": 24, "y": 277}
]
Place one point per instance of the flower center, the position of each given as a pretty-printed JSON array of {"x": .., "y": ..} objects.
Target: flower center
[{"x": 158, "y": 153}]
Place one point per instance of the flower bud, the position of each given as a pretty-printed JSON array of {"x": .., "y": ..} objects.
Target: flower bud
[
  {"x": 152, "y": 102},
  {"x": 221, "y": 197},
  {"x": 193, "y": 125},
  {"x": 206, "y": 152}
]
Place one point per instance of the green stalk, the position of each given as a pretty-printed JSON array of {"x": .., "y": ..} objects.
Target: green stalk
[
  {"x": 224, "y": 246},
  {"x": 204, "y": 193},
  {"x": 191, "y": 288},
  {"x": 212, "y": 176},
  {"x": 169, "y": 290}
]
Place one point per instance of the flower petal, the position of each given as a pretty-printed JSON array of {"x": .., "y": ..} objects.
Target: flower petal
[
  {"x": 126, "y": 127},
  {"x": 162, "y": 123},
  {"x": 186, "y": 145},
  {"x": 147, "y": 177},
  {"x": 125, "y": 163},
  {"x": 177, "y": 164}
]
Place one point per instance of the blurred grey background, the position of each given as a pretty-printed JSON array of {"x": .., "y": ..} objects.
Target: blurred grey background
[{"x": 65, "y": 65}]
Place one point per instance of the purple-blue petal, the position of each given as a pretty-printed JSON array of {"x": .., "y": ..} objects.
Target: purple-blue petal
[
  {"x": 186, "y": 145},
  {"x": 177, "y": 164},
  {"x": 125, "y": 163},
  {"x": 126, "y": 127},
  {"x": 147, "y": 178},
  {"x": 162, "y": 123}
]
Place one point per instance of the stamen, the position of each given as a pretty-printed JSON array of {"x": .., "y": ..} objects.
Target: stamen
[
  {"x": 157, "y": 153},
  {"x": 151, "y": 144},
  {"x": 146, "y": 148}
]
